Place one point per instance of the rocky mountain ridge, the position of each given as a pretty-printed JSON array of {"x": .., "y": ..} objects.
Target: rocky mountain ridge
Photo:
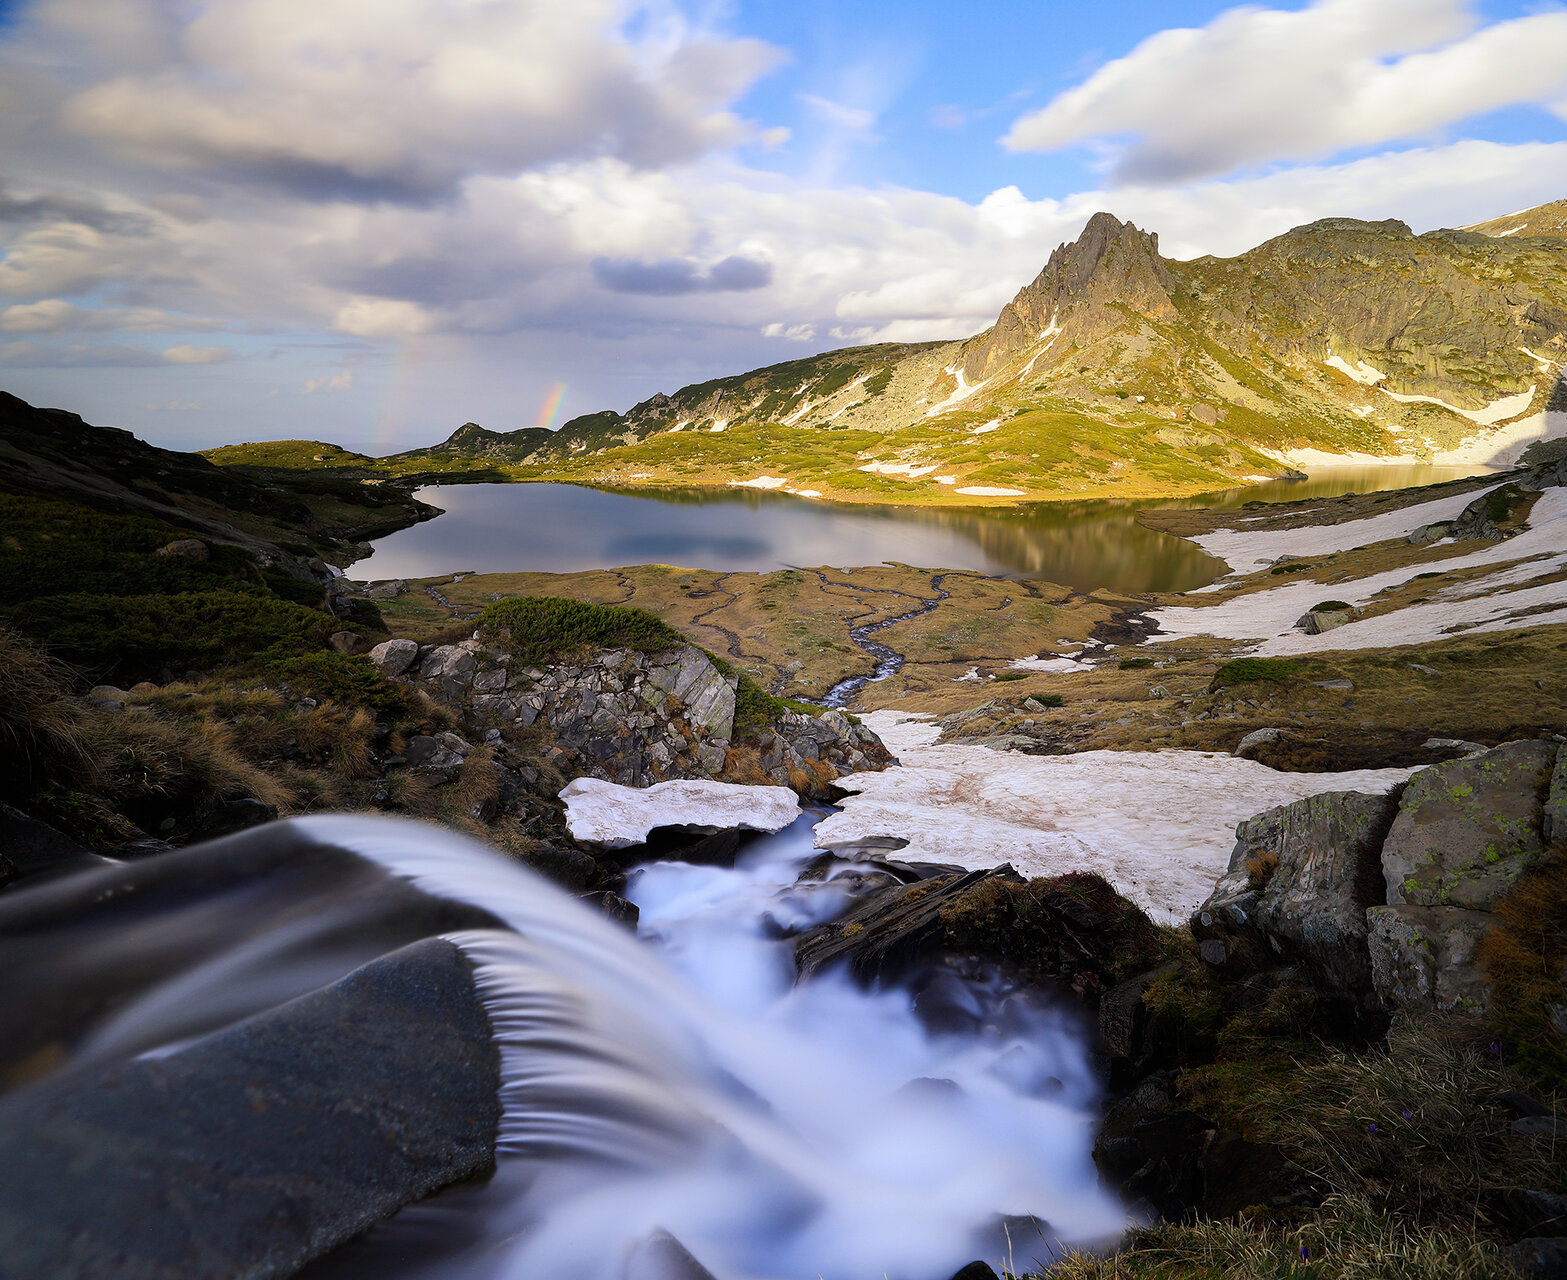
[{"x": 1117, "y": 368}]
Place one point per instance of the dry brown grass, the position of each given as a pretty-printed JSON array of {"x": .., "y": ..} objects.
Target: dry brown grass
[
  {"x": 1526, "y": 960},
  {"x": 40, "y": 726}
]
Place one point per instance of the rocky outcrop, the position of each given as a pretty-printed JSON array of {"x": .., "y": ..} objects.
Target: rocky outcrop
[
  {"x": 1385, "y": 899},
  {"x": 1298, "y": 885},
  {"x": 635, "y": 718},
  {"x": 255, "y": 1149}
]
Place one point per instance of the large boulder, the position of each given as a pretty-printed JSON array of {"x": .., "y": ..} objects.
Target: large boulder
[
  {"x": 1467, "y": 829},
  {"x": 257, "y": 1148},
  {"x": 1299, "y": 881},
  {"x": 1423, "y": 957}
]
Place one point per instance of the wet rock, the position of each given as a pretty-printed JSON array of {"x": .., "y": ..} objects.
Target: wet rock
[
  {"x": 620, "y": 910},
  {"x": 254, "y": 1149},
  {"x": 1466, "y": 830},
  {"x": 31, "y": 850},
  {"x": 889, "y": 931},
  {"x": 569, "y": 868}
]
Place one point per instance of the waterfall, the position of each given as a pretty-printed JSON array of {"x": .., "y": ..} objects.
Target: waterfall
[{"x": 679, "y": 1085}]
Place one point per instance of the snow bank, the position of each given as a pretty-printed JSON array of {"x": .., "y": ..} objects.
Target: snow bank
[
  {"x": 1243, "y": 550},
  {"x": 981, "y": 491},
  {"x": 1479, "y": 605},
  {"x": 760, "y": 482},
  {"x": 1158, "y": 825},
  {"x": 613, "y": 816}
]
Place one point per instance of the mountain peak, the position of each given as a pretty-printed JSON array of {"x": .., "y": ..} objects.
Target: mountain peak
[{"x": 1111, "y": 262}]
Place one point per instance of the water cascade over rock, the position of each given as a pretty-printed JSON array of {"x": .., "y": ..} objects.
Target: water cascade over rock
[{"x": 656, "y": 1111}]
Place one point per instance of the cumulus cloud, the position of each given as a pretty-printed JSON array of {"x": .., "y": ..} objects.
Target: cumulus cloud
[
  {"x": 674, "y": 276},
  {"x": 1258, "y": 84},
  {"x": 337, "y": 382},
  {"x": 400, "y": 99}
]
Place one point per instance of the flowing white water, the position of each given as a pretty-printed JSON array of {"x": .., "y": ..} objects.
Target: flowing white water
[{"x": 774, "y": 1130}]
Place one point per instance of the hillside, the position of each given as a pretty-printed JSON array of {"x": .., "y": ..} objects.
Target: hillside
[{"x": 1116, "y": 372}]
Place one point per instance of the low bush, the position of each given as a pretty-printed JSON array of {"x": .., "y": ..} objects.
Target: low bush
[
  {"x": 1012, "y": 675},
  {"x": 1332, "y": 606},
  {"x": 132, "y": 637},
  {"x": 348, "y": 680},
  {"x": 1132, "y": 664},
  {"x": 1245, "y": 670},
  {"x": 40, "y": 728},
  {"x": 541, "y": 629}
]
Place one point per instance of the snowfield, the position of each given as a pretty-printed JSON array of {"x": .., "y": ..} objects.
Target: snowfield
[{"x": 1159, "y": 825}]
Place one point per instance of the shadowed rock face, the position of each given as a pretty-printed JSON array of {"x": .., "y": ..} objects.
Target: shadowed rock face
[{"x": 253, "y": 1150}]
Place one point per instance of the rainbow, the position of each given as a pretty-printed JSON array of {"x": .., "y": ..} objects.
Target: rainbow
[{"x": 551, "y": 405}]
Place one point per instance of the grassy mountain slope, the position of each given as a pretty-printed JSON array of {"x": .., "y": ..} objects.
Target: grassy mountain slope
[{"x": 1120, "y": 372}]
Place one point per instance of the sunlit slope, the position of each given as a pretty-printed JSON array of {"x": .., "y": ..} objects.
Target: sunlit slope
[{"x": 1119, "y": 371}]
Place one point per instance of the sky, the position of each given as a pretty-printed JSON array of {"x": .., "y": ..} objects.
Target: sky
[{"x": 370, "y": 221}]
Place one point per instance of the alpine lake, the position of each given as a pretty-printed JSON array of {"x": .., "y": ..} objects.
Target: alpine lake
[{"x": 560, "y": 528}]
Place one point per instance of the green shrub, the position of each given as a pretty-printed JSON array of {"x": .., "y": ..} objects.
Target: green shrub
[
  {"x": 1012, "y": 675},
  {"x": 1332, "y": 606},
  {"x": 1131, "y": 664},
  {"x": 1289, "y": 568},
  {"x": 131, "y": 637},
  {"x": 1050, "y": 699},
  {"x": 540, "y": 629},
  {"x": 350, "y": 680},
  {"x": 878, "y": 382},
  {"x": 1245, "y": 670}
]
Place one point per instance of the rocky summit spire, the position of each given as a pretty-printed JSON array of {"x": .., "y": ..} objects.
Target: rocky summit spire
[{"x": 1112, "y": 262}]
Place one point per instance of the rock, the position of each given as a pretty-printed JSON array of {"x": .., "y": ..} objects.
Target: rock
[
  {"x": 975, "y": 1271},
  {"x": 1467, "y": 829},
  {"x": 1247, "y": 747},
  {"x": 1423, "y": 669},
  {"x": 1335, "y": 686},
  {"x": 1539, "y": 1259},
  {"x": 1314, "y": 623},
  {"x": 1299, "y": 881},
  {"x": 1553, "y": 824},
  {"x": 344, "y": 641},
  {"x": 448, "y": 662},
  {"x": 33, "y": 850},
  {"x": 454, "y": 742},
  {"x": 226, "y": 816},
  {"x": 254, "y": 1149},
  {"x": 613, "y": 817},
  {"x": 394, "y": 656},
  {"x": 1422, "y": 958},
  {"x": 425, "y": 752},
  {"x": 569, "y": 868},
  {"x": 185, "y": 548},
  {"x": 1212, "y": 951},
  {"x": 1429, "y": 533},
  {"x": 618, "y": 909},
  {"x": 1529, "y": 1213},
  {"x": 108, "y": 693},
  {"x": 387, "y": 590},
  {"x": 886, "y": 932},
  {"x": 1454, "y": 746},
  {"x": 1553, "y": 1127}
]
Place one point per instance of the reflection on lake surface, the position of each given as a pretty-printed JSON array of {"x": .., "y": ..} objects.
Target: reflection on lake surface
[{"x": 557, "y": 528}]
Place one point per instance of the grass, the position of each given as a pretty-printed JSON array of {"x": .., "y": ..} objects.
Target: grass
[
  {"x": 1248, "y": 670},
  {"x": 1526, "y": 961}
]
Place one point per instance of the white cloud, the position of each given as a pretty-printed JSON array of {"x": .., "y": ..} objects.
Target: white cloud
[
  {"x": 1257, "y": 85},
  {"x": 854, "y": 119},
  {"x": 401, "y": 98},
  {"x": 187, "y": 354},
  {"x": 55, "y": 315}
]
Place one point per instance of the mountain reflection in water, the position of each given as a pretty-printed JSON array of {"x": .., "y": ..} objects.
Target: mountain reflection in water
[{"x": 557, "y": 528}]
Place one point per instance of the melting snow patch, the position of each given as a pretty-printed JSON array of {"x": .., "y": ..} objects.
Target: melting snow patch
[
  {"x": 1159, "y": 825},
  {"x": 1270, "y": 616},
  {"x": 963, "y": 392},
  {"x": 911, "y": 469},
  {"x": 1361, "y": 371},
  {"x": 760, "y": 482},
  {"x": 805, "y": 493},
  {"x": 1497, "y": 411},
  {"x": 980, "y": 491},
  {"x": 946, "y": 479},
  {"x": 1036, "y": 663},
  {"x": 613, "y": 816},
  {"x": 992, "y": 425}
]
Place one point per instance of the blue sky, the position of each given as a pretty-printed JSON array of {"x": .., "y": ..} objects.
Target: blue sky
[{"x": 373, "y": 220}]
